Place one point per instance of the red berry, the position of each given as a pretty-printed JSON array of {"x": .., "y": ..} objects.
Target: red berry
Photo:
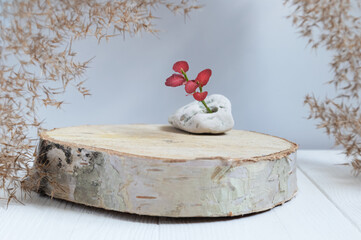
[
  {"x": 181, "y": 65},
  {"x": 203, "y": 77},
  {"x": 175, "y": 80},
  {"x": 191, "y": 87},
  {"x": 200, "y": 96}
]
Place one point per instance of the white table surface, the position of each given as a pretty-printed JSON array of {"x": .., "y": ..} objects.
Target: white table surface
[{"x": 327, "y": 206}]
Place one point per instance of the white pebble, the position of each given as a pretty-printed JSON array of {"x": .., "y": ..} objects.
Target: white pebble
[{"x": 194, "y": 118}]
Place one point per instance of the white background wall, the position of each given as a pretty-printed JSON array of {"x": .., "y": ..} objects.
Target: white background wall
[{"x": 258, "y": 60}]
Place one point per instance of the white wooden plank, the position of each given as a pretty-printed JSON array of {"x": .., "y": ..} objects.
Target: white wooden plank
[
  {"x": 43, "y": 218},
  {"x": 308, "y": 216},
  {"x": 336, "y": 181}
]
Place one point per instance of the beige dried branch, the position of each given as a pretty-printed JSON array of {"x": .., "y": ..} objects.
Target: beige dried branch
[
  {"x": 37, "y": 63},
  {"x": 336, "y": 25}
]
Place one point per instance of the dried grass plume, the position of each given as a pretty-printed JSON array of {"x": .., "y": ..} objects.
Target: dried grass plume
[
  {"x": 37, "y": 63},
  {"x": 336, "y": 25}
]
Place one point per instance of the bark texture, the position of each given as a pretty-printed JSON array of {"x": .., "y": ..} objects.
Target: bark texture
[{"x": 173, "y": 173}]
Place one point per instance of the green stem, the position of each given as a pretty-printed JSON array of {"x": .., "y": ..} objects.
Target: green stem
[
  {"x": 205, "y": 105},
  {"x": 185, "y": 75}
]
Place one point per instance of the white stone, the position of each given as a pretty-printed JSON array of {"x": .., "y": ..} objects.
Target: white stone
[{"x": 194, "y": 118}]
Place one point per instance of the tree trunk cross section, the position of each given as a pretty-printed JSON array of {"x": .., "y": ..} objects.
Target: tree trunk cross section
[{"x": 161, "y": 171}]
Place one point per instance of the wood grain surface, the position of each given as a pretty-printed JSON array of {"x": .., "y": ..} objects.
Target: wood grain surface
[{"x": 166, "y": 142}]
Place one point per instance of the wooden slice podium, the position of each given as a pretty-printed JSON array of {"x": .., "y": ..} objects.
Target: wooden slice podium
[{"x": 161, "y": 171}]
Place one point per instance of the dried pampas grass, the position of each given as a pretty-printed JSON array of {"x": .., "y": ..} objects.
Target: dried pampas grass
[
  {"x": 336, "y": 25},
  {"x": 37, "y": 63}
]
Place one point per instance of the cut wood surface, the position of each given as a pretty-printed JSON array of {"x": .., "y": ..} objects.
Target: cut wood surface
[
  {"x": 166, "y": 142},
  {"x": 158, "y": 170}
]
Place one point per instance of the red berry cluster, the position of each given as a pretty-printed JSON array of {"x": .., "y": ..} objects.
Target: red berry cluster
[{"x": 190, "y": 85}]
